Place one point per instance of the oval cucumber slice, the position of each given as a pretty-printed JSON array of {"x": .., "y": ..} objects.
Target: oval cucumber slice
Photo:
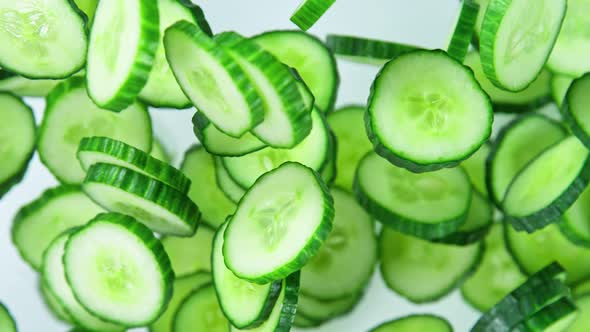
[
  {"x": 412, "y": 323},
  {"x": 189, "y": 255},
  {"x": 200, "y": 311},
  {"x": 574, "y": 108}
]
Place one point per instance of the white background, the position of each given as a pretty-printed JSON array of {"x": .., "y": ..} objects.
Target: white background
[{"x": 421, "y": 22}]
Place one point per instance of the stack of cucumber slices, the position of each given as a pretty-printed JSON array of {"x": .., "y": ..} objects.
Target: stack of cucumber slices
[{"x": 286, "y": 207}]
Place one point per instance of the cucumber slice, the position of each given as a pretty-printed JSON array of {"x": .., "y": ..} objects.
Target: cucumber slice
[
  {"x": 182, "y": 288},
  {"x": 421, "y": 124},
  {"x": 42, "y": 39},
  {"x": 200, "y": 311},
  {"x": 18, "y": 140},
  {"x": 548, "y": 185},
  {"x": 496, "y": 276},
  {"x": 53, "y": 304},
  {"x": 483, "y": 5},
  {"x": 313, "y": 152},
  {"x": 93, "y": 150},
  {"x": 312, "y": 59},
  {"x": 299, "y": 205},
  {"x": 7, "y": 323},
  {"x": 230, "y": 188},
  {"x": 189, "y": 255},
  {"x": 517, "y": 144},
  {"x": 583, "y": 320},
  {"x": 42, "y": 220},
  {"x": 303, "y": 322},
  {"x": 199, "y": 166},
  {"x": 70, "y": 116},
  {"x": 516, "y": 40},
  {"x": 88, "y": 7},
  {"x": 25, "y": 87},
  {"x": 287, "y": 119},
  {"x": 160, "y": 207},
  {"x": 364, "y": 50},
  {"x": 118, "y": 270},
  {"x": 159, "y": 151},
  {"x": 423, "y": 271},
  {"x": 353, "y": 143},
  {"x": 427, "y": 205},
  {"x": 475, "y": 166},
  {"x": 575, "y": 223},
  {"x": 212, "y": 79},
  {"x": 309, "y": 12},
  {"x": 574, "y": 108},
  {"x": 53, "y": 274},
  {"x": 328, "y": 275},
  {"x": 414, "y": 323},
  {"x": 463, "y": 30},
  {"x": 122, "y": 49},
  {"x": 329, "y": 171},
  {"x": 220, "y": 144},
  {"x": 559, "y": 86},
  {"x": 161, "y": 89},
  {"x": 324, "y": 310},
  {"x": 557, "y": 316}
]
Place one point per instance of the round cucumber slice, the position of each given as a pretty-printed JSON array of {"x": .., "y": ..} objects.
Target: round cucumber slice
[
  {"x": 7, "y": 323},
  {"x": 475, "y": 166},
  {"x": 329, "y": 172},
  {"x": 413, "y": 323},
  {"x": 229, "y": 187},
  {"x": 189, "y": 255},
  {"x": 200, "y": 311},
  {"x": 574, "y": 108},
  {"x": 309, "y": 12},
  {"x": 460, "y": 39},
  {"x": 363, "y": 50}
]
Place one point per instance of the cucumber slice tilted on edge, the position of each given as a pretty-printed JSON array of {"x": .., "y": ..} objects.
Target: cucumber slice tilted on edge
[
  {"x": 123, "y": 42},
  {"x": 415, "y": 323},
  {"x": 460, "y": 39},
  {"x": 475, "y": 166},
  {"x": 290, "y": 200},
  {"x": 560, "y": 84},
  {"x": 118, "y": 270},
  {"x": 329, "y": 171},
  {"x": 309, "y": 12},
  {"x": 7, "y": 323},
  {"x": 189, "y": 255},
  {"x": 364, "y": 50},
  {"x": 421, "y": 124},
  {"x": 321, "y": 311},
  {"x": 574, "y": 108},
  {"x": 229, "y": 187},
  {"x": 200, "y": 311},
  {"x": 574, "y": 224}
]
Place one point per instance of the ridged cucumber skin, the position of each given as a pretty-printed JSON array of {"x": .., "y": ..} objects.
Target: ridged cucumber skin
[
  {"x": 6, "y": 319},
  {"x": 149, "y": 37},
  {"x": 310, "y": 12},
  {"x": 522, "y": 108},
  {"x": 146, "y": 189},
  {"x": 464, "y": 30},
  {"x": 385, "y": 327},
  {"x": 570, "y": 118},
  {"x": 289, "y": 307},
  {"x": 563, "y": 312},
  {"x": 146, "y": 237},
  {"x": 370, "y": 49},
  {"x": 140, "y": 159}
]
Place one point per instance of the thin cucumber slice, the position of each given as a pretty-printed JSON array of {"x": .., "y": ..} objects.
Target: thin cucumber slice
[
  {"x": 200, "y": 311},
  {"x": 182, "y": 287},
  {"x": 328, "y": 275},
  {"x": 583, "y": 320},
  {"x": 423, "y": 271},
  {"x": 123, "y": 42},
  {"x": 560, "y": 84},
  {"x": 53, "y": 274},
  {"x": 427, "y": 205},
  {"x": 229, "y": 187},
  {"x": 348, "y": 125},
  {"x": 159, "y": 152},
  {"x": 7, "y": 323},
  {"x": 246, "y": 305},
  {"x": 199, "y": 166},
  {"x": 517, "y": 144},
  {"x": 557, "y": 316},
  {"x": 313, "y": 152},
  {"x": 475, "y": 166},
  {"x": 70, "y": 116},
  {"x": 22, "y": 86},
  {"x": 312, "y": 59},
  {"x": 364, "y": 50},
  {"x": 303, "y": 322},
  {"x": 159, "y": 206},
  {"x": 212, "y": 79},
  {"x": 220, "y": 144},
  {"x": 533, "y": 251},
  {"x": 88, "y": 7},
  {"x": 189, "y": 255},
  {"x": 299, "y": 205},
  {"x": 460, "y": 39},
  {"x": 575, "y": 224},
  {"x": 483, "y": 6},
  {"x": 118, "y": 270},
  {"x": 53, "y": 304},
  {"x": 574, "y": 108},
  {"x": 309, "y": 12},
  {"x": 517, "y": 38},
  {"x": 496, "y": 276},
  {"x": 329, "y": 171},
  {"x": 18, "y": 136},
  {"x": 423, "y": 124},
  {"x": 161, "y": 89},
  {"x": 533, "y": 97},
  {"x": 414, "y": 323},
  {"x": 40, "y": 221},
  {"x": 324, "y": 310},
  {"x": 94, "y": 150},
  {"x": 548, "y": 185},
  {"x": 42, "y": 39}
]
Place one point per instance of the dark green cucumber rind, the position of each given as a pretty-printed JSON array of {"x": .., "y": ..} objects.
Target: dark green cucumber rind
[
  {"x": 310, "y": 12},
  {"x": 572, "y": 234},
  {"x": 329, "y": 171},
  {"x": 5, "y": 310},
  {"x": 146, "y": 189},
  {"x": 303, "y": 322},
  {"x": 521, "y": 108},
  {"x": 312, "y": 246},
  {"x": 145, "y": 236},
  {"x": 464, "y": 30},
  {"x": 450, "y": 327},
  {"x": 357, "y": 47},
  {"x": 570, "y": 118},
  {"x": 238, "y": 76},
  {"x": 327, "y": 312},
  {"x": 128, "y": 154},
  {"x": 399, "y": 160},
  {"x": 289, "y": 307},
  {"x": 563, "y": 309}
]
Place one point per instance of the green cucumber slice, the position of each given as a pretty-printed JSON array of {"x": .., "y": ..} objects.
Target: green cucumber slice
[
  {"x": 70, "y": 116},
  {"x": 423, "y": 271},
  {"x": 574, "y": 108},
  {"x": 53, "y": 304},
  {"x": 557, "y": 316},
  {"x": 559, "y": 86},
  {"x": 88, "y": 7},
  {"x": 189, "y": 255},
  {"x": 118, "y": 270},
  {"x": 414, "y": 323},
  {"x": 427, "y": 205},
  {"x": 303, "y": 322},
  {"x": 122, "y": 49},
  {"x": 483, "y": 5},
  {"x": 212, "y": 79},
  {"x": 475, "y": 166},
  {"x": 329, "y": 171},
  {"x": 548, "y": 185},
  {"x": 157, "y": 205},
  {"x": 365, "y": 50},
  {"x": 583, "y": 320},
  {"x": 421, "y": 124},
  {"x": 22, "y": 86},
  {"x": 324, "y": 310},
  {"x": 200, "y": 311},
  {"x": 42, "y": 39},
  {"x": 299, "y": 204},
  {"x": 159, "y": 152},
  {"x": 7, "y": 323},
  {"x": 94, "y": 150},
  {"x": 575, "y": 224},
  {"x": 18, "y": 140},
  {"x": 460, "y": 39},
  {"x": 328, "y": 275},
  {"x": 40, "y": 221},
  {"x": 230, "y": 188},
  {"x": 312, "y": 59},
  {"x": 199, "y": 166},
  {"x": 309, "y": 12}
]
